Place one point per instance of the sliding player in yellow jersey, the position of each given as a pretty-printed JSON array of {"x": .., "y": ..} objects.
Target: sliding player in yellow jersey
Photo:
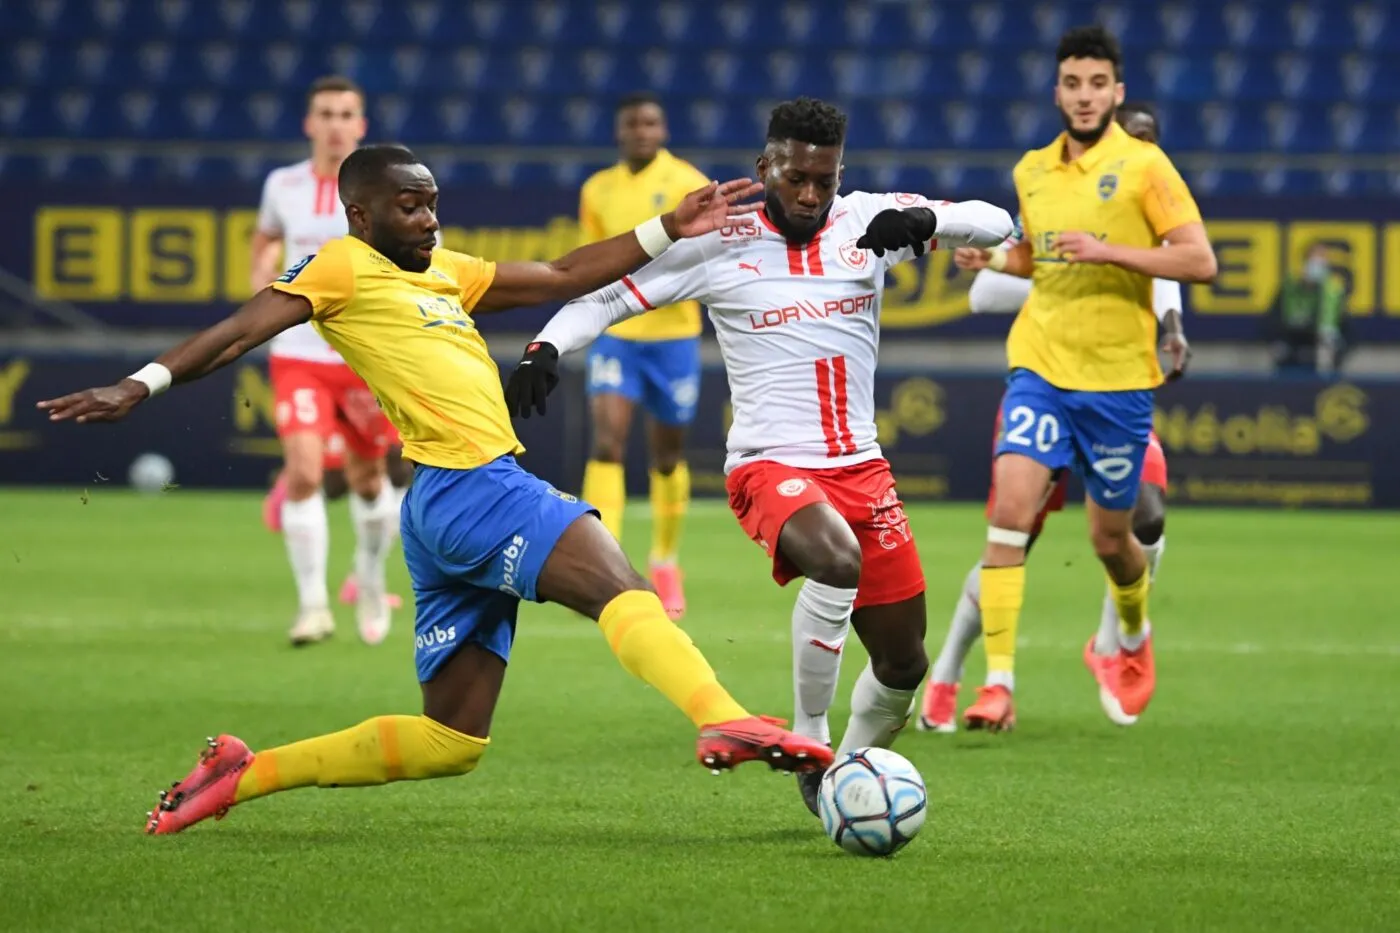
[
  {"x": 1104, "y": 214},
  {"x": 480, "y": 534},
  {"x": 652, "y": 360}
]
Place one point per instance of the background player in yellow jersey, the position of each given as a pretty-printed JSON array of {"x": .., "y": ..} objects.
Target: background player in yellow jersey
[
  {"x": 480, "y": 534},
  {"x": 1103, "y": 214},
  {"x": 653, "y": 359}
]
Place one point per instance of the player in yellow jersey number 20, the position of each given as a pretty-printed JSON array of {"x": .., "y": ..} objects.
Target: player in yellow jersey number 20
[
  {"x": 1103, "y": 214},
  {"x": 480, "y": 534}
]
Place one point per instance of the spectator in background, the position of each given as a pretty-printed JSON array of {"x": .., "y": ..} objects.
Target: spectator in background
[{"x": 1309, "y": 317}]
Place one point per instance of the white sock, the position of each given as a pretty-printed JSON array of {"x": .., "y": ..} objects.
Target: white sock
[
  {"x": 1134, "y": 642},
  {"x": 1106, "y": 640},
  {"x": 374, "y": 532},
  {"x": 822, "y": 614},
  {"x": 308, "y": 536},
  {"x": 1002, "y": 679},
  {"x": 1154, "y": 552},
  {"x": 963, "y": 631},
  {"x": 877, "y": 713},
  {"x": 399, "y": 494}
]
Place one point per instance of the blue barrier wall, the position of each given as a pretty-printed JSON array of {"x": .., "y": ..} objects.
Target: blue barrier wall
[
  {"x": 1259, "y": 442},
  {"x": 177, "y": 256}
]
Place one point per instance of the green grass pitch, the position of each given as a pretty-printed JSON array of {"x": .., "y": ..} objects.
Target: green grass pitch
[{"x": 1258, "y": 792}]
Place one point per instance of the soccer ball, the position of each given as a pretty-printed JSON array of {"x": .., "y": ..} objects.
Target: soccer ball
[
  {"x": 151, "y": 473},
  {"x": 872, "y": 802}
]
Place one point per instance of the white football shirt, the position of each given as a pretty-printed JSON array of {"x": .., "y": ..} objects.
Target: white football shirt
[
  {"x": 798, "y": 326},
  {"x": 304, "y": 210}
]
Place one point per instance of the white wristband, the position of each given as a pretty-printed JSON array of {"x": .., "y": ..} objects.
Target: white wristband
[
  {"x": 997, "y": 261},
  {"x": 653, "y": 237},
  {"x": 155, "y": 376}
]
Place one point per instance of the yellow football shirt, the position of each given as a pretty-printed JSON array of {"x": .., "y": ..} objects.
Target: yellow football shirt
[
  {"x": 410, "y": 337},
  {"x": 614, "y": 201},
  {"x": 1091, "y": 327}
]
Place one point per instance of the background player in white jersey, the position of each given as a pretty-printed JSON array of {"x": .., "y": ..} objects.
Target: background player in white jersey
[
  {"x": 320, "y": 401},
  {"x": 997, "y": 292},
  {"x": 794, "y": 294}
]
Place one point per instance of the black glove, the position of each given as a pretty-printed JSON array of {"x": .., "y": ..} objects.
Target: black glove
[
  {"x": 533, "y": 380},
  {"x": 893, "y": 230}
]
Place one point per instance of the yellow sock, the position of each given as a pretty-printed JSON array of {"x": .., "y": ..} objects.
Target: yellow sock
[
  {"x": 1132, "y": 603},
  {"x": 1003, "y": 589},
  {"x": 670, "y": 498},
  {"x": 377, "y": 751},
  {"x": 651, "y": 647},
  {"x": 605, "y": 488}
]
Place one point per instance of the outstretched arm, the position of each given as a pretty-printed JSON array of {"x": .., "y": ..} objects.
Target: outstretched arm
[
  {"x": 1184, "y": 256},
  {"x": 679, "y": 275},
  {"x": 266, "y": 314},
  {"x": 522, "y": 284},
  {"x": 997, "y": 292},
  {"x": 958, "y": 224}
]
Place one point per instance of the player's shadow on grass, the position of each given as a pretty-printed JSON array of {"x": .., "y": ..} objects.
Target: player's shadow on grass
[{"x": 496, "y": 835}]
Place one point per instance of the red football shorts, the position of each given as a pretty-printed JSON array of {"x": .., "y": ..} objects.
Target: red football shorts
[
  {"x": 329, "y": 399},
  {"x": 1154, "y": 473},
  {"x": 765, "y": 494}
]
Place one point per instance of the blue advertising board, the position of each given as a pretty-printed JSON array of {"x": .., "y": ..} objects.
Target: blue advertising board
[
  {"x": 177, "y": 256},
  {"x": 1238, "y": 442}
]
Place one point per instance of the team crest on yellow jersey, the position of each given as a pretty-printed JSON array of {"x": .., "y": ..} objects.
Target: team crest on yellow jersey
[{"x": 1108, "y": 184}]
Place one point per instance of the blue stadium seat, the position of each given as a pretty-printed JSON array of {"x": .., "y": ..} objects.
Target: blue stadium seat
[
  {"x": 1387, "y": 80},
  {"x": 944, "y": 29},
  {"x": 1133, "y": 24},
  {"x": 1299, "y": 77},
  {"x": 980, "y": 76},
  {"x": 55, "y": 18},
  {"x": 1240, "y": 76},
  {"x": 1297, "y": 128},
  {"x": 1376, "y": 26},
  {"x": 706, "y": 123},
  {"x": 905, "y": 126},
  {"x": 1320, "y": 27},
  {"x": 1382, "y": 184},
  {"x": 1256, "y": 25},
  {"x": 1183, "y": 77},
  {"x": 1187, "y": 27},
  {"x": 1358, "y": 129},
  {"x": 236, "y": 19},
  {"x": 31, "y": 63}
]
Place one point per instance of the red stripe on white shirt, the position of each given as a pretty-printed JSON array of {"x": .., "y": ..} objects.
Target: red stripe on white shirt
[
  {"x": 794, "y": 257},
  {"x": 814, "y": 257},
  {"x": 627, "y": 280},
  {"x": 833, "y": 446},
  {"x": 843, "y": 423}
]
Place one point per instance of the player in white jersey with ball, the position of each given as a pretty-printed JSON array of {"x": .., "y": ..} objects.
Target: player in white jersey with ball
[
  {"x": 794, "y": 293},
  {"x": 321, "y": 403}
]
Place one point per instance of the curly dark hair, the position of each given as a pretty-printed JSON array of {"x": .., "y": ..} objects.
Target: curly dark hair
[
  {"x": 807, "y": 120},
  {"x": 1091, "y": 42}
]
